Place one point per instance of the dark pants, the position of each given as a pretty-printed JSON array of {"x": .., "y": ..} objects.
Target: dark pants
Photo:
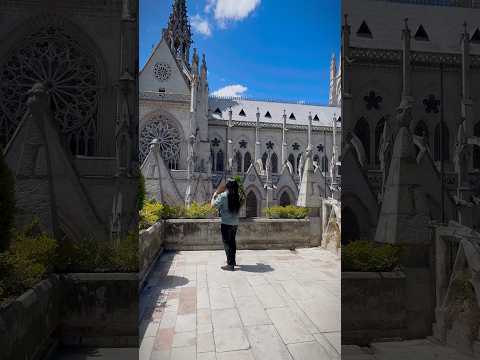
[{"x": 228, "y": 237}]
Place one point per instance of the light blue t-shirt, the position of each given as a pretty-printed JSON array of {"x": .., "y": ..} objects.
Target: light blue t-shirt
[{"x": 221, "y": 203}]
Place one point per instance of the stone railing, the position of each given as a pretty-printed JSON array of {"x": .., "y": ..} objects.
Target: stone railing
[
  {"x": 150, "y": 247},
  {"x": 258, "y": 233}
]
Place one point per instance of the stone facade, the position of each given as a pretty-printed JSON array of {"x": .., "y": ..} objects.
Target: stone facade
[
  {"x": 69, "y": 90},
  {"x": 201, "y": 138}
]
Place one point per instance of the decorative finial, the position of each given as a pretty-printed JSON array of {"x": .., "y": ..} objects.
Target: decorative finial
[{"x": 406, "y": 23}]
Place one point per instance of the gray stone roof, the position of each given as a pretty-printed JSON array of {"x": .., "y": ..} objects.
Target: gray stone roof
[
  {"x": 385, "y": 19},
  {"x": 220, "y": 106}
]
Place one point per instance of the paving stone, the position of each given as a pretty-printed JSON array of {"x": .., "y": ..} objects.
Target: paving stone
[
  {"x": 334, "y": 338},
  {"x": 206, "y": 356},
  {"x": 225, "y": 318},
  {"x": 268, "y": 296},
  {"x": 203, "y": 300},
  {"x": 266, "y": 343},
  {"x": 186, "y": 322},
  {"x": 168, "y": 320},
  {"x": 329, "y": 348},
  {"x": 182, "y": 339},
  {"x": 220, "y": 298},
  {"x": 251, "y": 311},
  {"x": 159, "y": 355},
  {"x": 184, "y": 353},
  {"x": 308, "y": 351},
  {"x": 230, "y": 339},
  {"x": 164, "y": 339},
  {"x": 205, "y": 342},
  {"x": 325, "y": 317},
  {"x": 146, "y": 348},
  {"x": 289, "y": 326},
  {"x": 236, "y": 355}
]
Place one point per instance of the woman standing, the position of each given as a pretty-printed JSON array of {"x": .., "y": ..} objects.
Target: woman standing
[{"x": 227, "y": 200}]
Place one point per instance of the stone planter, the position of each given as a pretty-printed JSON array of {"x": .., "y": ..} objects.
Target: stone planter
[
  {"x": 373, "y": 307},
  {"x": 150, "y": 248},
  {"x": 27, "y": 323}
]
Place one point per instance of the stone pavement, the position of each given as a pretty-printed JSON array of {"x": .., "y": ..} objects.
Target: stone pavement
[
  {"x": 278, "y": 304},
  {"x": 422, "y": 349}
]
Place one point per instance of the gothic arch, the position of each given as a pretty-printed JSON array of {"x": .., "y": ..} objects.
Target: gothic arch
[
  {"x": 264, "y": 160},
  {"x": 274, "y": 163},
  {"x": 325, "y": 163},
  {"x": 362, "y": 130},
  {"x": 291, "y": 160},
  {"x": 286, "y": 193},
  {"x": 445, "y": 145},
  {"x": 378, "y": 137},
  {"x": 80, "y": 73},
  {"x": 238, "y": 161},
  {"x": 253, "y": 202},
  {"x": 247, "y": 161},
  {"x": 219, "y": 161}
]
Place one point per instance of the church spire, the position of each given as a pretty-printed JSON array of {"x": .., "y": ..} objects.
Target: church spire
[{"x": 178, "y": 33}]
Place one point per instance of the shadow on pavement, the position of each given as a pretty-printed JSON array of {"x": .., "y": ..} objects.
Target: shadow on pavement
[{"x": 259, "y": 268}]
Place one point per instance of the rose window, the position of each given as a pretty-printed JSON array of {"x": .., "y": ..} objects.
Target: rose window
[
  {"x": 162, "y": 71},
  {"x": 168, "y": 138},
  {"x": 54, "y": 58}
]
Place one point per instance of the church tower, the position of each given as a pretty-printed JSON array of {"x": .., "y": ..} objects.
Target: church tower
[
  {"x": 178, "y": 33},
  {"x": 332, "y": 95}
]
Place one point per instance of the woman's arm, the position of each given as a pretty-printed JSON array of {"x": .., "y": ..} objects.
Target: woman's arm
[{"x": 212, "y": 202}]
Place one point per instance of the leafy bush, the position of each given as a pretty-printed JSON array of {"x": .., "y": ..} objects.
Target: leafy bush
[
  {"x": 286, "y": 212},
  {"x": 7, "y": 203},
  {"x": 364, "y": 255},
  {"x": 200, "y": 211},
  {"x": 31, "y": 257},
  {"x": 241, "y": 189},
  {"x": 154, "y": 211}
]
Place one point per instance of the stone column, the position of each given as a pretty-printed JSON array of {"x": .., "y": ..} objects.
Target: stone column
[
  {"x": 229, "y": 143},
  {"x": 257, "y": 139},
  {"x": 347, "y": 111},
  {"x": 309, "y": 132},
  {"x": 284, "y": 138},
  {"x": 406, "y": 71}
]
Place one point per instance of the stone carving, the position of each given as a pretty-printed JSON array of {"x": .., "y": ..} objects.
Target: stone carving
[
  {"x": 373, "y": 100},
  {"x": 168, "y": 137},
  {"x": 162, "y": 71},
  {"x": 461, "y": 157},
  {"x": 431, "y": 104},
  {"x": 51, "y": 57}
]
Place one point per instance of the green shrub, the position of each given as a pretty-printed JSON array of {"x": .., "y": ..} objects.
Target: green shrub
[
  {"x": 364, "y": 255},
  {"x": 200, "y": 211},
  {"x": 7, "y": 203},
  {"x": 286, "y": 212},
  {"x": 241, "y": 189},
  {"x": 154, "y": 211},
  {"x": 31, "y": 257}
]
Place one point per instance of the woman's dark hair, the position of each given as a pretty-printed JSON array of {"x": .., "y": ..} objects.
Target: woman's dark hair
[{"x": 233, "y": 197}]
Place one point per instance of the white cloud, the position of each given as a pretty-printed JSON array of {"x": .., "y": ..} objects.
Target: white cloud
[
  {"x": 233, "y": 9},
  {"x": 209, "y": 5},
  {"x": 201, "y": 25},
  {"x": 231, "y": 91}
]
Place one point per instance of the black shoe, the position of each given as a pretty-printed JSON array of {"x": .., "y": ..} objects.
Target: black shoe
[{"x": 228, "y": 267}]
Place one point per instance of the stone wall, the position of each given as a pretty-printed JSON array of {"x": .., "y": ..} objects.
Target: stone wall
[
  {"x": 27, "y": 323},
  {"x": 373, "y": 307},
  {"x": 204, "y": 234},
  {"x": 100, "y": 310},
  {"x": 150, "y": 247}
]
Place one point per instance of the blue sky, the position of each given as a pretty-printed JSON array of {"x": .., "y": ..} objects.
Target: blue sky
[{"x": 266, "y": 49}]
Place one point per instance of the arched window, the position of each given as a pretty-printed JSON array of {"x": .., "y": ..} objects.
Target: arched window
[
  {"x": 291, "y": 160},
  {"x": 247, "y": 161},
  {"x": 476, "y": 148},
  {"x": 285, "y": 199},
  {"x": 324, "y": 163},
  {"x": 274, "y": 163},
  {"x": 299, "y": 158},
  {"x": 251, "y": 205},
  {"x": 444, "y": 144},
  {"x": 212, "y": 157},
  {"x": 316, "y": 158},
  {"x": 264, "y": 160},
  {"x": 421, "y": 129},
  {"x": 238, "y": 161},
  {"x": 219, "y": 161},
  {"x": 362, "y": 130},
  {"x": 378, "y": 138}
]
